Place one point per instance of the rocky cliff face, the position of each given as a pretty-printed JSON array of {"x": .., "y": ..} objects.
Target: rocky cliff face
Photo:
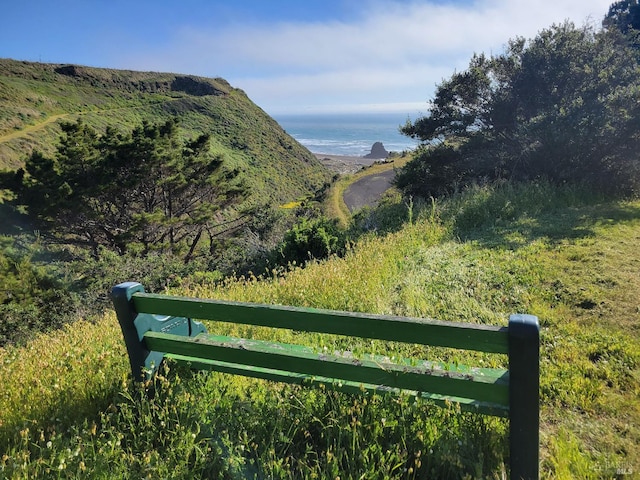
[{"x": 377, "y": 151}]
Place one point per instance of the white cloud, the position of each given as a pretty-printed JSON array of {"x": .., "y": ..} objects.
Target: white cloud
[
  {"x": 396, "y": 52},
  {"x": 335, "y": 89}
]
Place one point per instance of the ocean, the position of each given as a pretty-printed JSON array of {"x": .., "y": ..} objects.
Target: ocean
[{"x": 348, "y": 134}]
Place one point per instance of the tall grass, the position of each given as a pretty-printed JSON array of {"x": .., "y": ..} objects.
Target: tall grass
[{"x": 66, "y": 410}]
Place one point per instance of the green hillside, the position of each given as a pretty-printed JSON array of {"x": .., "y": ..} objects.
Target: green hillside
[
  {"x": 203, "y": 193},
  {"x": 559, "y": 253},
  {"x": 36, "y": 97}
]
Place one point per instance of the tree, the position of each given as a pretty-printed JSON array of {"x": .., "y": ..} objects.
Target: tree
[
  {"x": 563, "y": 106},
  {"x": 624, "y": 15},
  {"x": 145, "y": 191}
]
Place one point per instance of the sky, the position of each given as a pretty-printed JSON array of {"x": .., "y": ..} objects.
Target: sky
[{"x": 289, "y": 56}]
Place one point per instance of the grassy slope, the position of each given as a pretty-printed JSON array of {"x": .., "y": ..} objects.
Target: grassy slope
[
  {"x": 35, "y": 98},
  {"x": 477, "y": 258}
]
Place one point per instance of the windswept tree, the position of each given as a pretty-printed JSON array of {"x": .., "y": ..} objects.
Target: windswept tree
[
  {"x": 564, "y": 106},
  {"x": 145, "y": 191}
]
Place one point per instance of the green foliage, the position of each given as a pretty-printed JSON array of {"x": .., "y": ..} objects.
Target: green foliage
[
  {"x": 213, "y": 427},
  {"x": 32, "y": 298},
  {"x": 118, "y": 191},
  {"x": 389, "y": 215},
  {"x": 148, "y": 190},
  {"x": 559, "y": 253},
  {"x": 562, "y": 107},
  {"x": 312, "y": 238},
  {"x": 37, "y": 98},
  {"x": 624, "y": 16},
  {"x": 491, "y": 209}
]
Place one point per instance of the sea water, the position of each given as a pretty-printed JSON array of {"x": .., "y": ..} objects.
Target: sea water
[{"x": 348, "y": 134}]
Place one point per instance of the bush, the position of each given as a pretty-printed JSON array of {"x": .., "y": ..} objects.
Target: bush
[
  {"x": 312, "y": 239},
  {"x": 32, "y": 298}
]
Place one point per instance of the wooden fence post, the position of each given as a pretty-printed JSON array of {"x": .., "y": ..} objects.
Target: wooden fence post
[{"x": 524, "y": 400}]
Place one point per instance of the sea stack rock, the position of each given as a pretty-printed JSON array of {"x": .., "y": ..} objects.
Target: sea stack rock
[{"x": 377, "y": 151}]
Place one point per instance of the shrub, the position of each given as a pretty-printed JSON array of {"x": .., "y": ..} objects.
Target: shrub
[{"x": 312, "y": 239}]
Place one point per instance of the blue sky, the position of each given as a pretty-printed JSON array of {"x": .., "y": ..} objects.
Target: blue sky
[{"x": 289, "y": 56}]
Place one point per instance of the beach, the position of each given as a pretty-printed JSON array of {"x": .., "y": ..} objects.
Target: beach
[{"x": 344, "y": 164}]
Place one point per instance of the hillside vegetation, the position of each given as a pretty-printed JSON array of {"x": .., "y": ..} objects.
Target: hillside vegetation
[
  {"x": 111, "y": 173},
  {"x": 562, "y": 106},
  {"x": 35, "y": 98},
  {"x": 558, "y": 253}
]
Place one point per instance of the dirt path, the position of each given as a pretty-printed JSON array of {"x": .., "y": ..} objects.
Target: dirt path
[
  {"x": 32, "y": 128},
  {"x": 54, "y": 118}
]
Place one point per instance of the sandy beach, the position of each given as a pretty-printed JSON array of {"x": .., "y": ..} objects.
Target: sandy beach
[{"x": 343, "y": 163}]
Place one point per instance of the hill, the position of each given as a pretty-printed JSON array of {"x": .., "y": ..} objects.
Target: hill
[
  {"x": 35, "y": 98},
  {"x": 558, "y": 253},
  {"x": 223, "y": 192}
]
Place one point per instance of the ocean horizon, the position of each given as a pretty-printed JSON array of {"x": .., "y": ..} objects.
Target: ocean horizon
[{"x": 348, "y": 134}]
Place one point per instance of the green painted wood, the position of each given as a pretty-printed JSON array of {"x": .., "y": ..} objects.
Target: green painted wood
[
  {"x": 299, "y": 360},
  {"x": 486, "y": 375},
  {"x": 524, "y": 425},
  {"x": 466, "y": 404},
  {"x": 488, "y": 391},
  {"x": 137, "y": 352},
  {"x": 482, "y": 338}
]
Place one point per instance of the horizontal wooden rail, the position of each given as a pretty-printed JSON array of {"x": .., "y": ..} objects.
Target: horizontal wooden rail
[
  {"x": 302, "y": 360},
  {"x": 482, "y": 338}
]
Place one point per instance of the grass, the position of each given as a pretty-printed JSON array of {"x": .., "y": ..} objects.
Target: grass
[{"x": 67, "y": 411}]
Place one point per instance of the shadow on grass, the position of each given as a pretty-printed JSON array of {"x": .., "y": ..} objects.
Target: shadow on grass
[
  {"x": 387, "y": 217},
  {"x": 502, "y": 224}
]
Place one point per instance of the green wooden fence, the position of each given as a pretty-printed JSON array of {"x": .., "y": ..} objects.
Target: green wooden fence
[{"x": 161, "y": 326}]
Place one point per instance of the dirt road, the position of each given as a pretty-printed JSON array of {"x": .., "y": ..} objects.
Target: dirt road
[{"x": 367, "y": 190}]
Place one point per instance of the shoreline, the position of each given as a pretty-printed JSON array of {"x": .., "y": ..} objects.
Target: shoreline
[{"x": 345, "y": 163}]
